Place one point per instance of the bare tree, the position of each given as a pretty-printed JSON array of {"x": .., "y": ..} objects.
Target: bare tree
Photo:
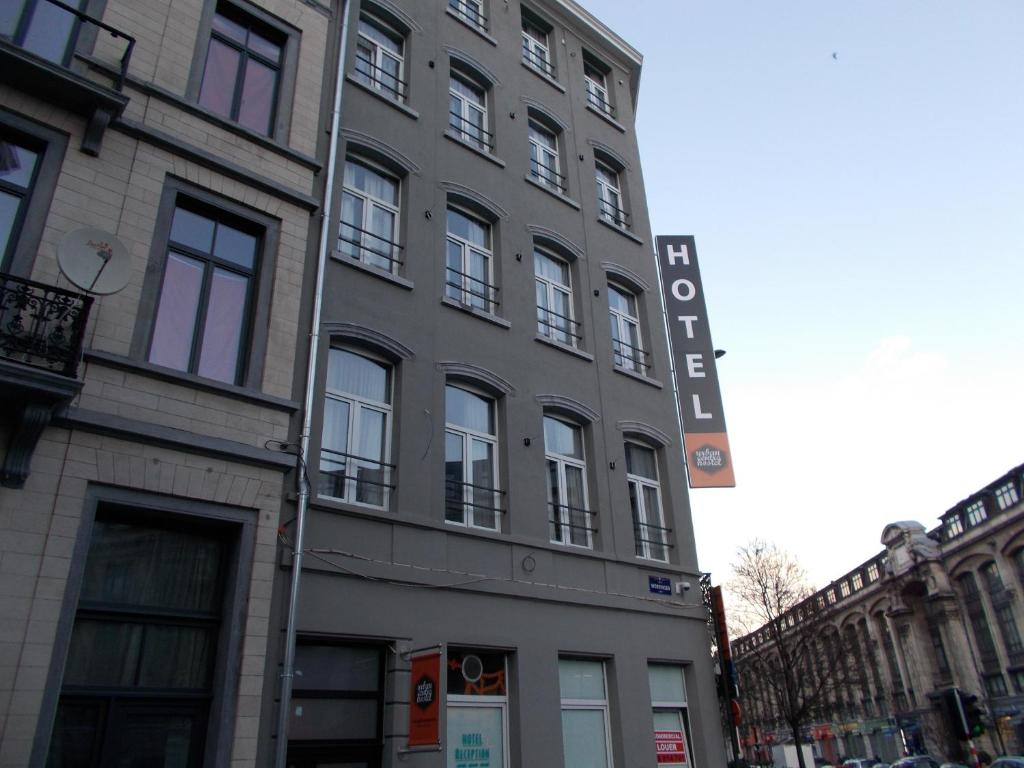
[{"x": 787, "y": 645}]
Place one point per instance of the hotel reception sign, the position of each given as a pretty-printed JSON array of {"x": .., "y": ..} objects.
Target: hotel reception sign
[{"x": 708, "y": 458}]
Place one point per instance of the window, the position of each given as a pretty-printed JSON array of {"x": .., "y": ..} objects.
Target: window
[
  {"x": 469, "y": 277},
  {"x": 610, "y": 207},
  {"x": 369, "y": 216},
  {"x": 536, "y": 51},
  {"x": 952, "y": 526},
  {"x": 649, "y": 529},
  {"x": 477, "y": 704},
  {"x": 873, "y": 572},
  {"x": 627, "y": 346},
  {"x": 993, "y": 581},
  {"x": 202, "y": 317},
  {"x": 554, "y": 299},
  {"x": 18, "y": 167},
  {"x": 41, "y": 27},
  {"x": 356, "y": 441},
  {"x": 586, "y": 735},
  {"x": 858, "y": 581},
  {"x": 1006, "y": 495},
  {"x": 380, "y": 57},
  {"x": 470, "y": 459},
  {"x": 976, "y": 513},
  {"x": 568, "y": 511},
  {"x": 139, "y": 675},
  {"x": 995, "y": 685},
  {"x": 339, "y": 689},
  {"x": 467, "y": 111},
  {"x": 844, "y": 588},
  {"x": 595, "y": 81},
  {"x": 469, "y": 11},
  {"x": 671, "y": 721},
  {"x": 1008, "y": 628},
  {"x": 241, "y": 77},
  {"x": 544, "y": 157}
]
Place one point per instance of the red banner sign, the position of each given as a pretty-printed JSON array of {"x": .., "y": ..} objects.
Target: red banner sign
[
  {"x": 424, "y": 700},
  {"x": 670, "y": 747}
]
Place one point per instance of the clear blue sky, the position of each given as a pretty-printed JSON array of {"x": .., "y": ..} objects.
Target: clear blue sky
[{"x": 860, "y": 227}]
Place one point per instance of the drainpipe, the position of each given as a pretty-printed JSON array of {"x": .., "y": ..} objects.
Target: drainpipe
[{"x": 288, "y": 671}]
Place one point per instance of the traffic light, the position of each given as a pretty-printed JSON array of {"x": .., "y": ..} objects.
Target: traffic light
[{"x": 972, "y": 714}]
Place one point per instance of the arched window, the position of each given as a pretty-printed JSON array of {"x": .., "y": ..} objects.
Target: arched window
[
  {"x": 472, "y": 489},
  {"x": 370, "y": 214},
  {"x": 649, "y": 531},
  {"x": 568, "y": 506}
]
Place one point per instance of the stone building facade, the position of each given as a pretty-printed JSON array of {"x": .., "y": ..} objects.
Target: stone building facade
[
  {"x": 493, "y": 456},
  {"x": 934, "y": 610}
]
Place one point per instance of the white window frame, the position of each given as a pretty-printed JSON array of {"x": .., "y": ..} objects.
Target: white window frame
[
  {"x": 644, "y": 523},
  {"x": 609, "y": 195},
  {"x": 562, "y": 515},
  {"x": 460, "y": 701},
  {"x": 593, "y": 705},
  {"x": 536, "y": 51},
  {"x": 544, "y": 156},
  {"x": 466, "y": 108},
  {"x": 597, "y": 89},
  {"x": 481, "y": 298},
  {"x": 545, "y": 327},
  {"x": 681, "y": 708},
  {"x": 378, "y": 55},
  {"x": 467, "y": 435},
  {"x": 369, "y": 203},
  {"x": 631, "y": 359},
  {"x": 355, "y": 404}
]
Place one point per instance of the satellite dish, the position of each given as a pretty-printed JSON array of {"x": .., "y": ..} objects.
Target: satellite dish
[{"x": 94, "y": 260}]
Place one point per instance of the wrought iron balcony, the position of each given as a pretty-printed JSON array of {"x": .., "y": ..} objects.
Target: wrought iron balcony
[
  {"x": 42, "y": 326},
  {"x": 38, "y": 43}
]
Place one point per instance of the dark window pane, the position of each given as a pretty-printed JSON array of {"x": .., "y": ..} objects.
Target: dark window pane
[
  {"x": 257, "y": 106},
  {"x": 222, "y": 334},
  {"x": 235, "y": 246},
  {"x": 8, "y": 213},
  {"x": 337, "y": 668},
  {"x": 230, "y": 29},
  {"x": 133, "y": 566},
  {"x": 10, "y": 14},
  {"x": 17, "y": 164},
  {"x": 333, "y": 719},
  {"x": 177, "y": 657},
  {"x": 219, "y": 78},
  {"x": 193, "y": 230},
  {"x": 454, "y": 475},
  {"x": 157, "y": 740},
  {"x": 469, "y": 410},
  {"x": 49, "y": 31},
  {"x": 103, "y": 653},
  {"x": 562, "y": 438},
  {"x": 354, "y": 374},
  {"x": 476, "y": 673},
  {"x": 76, "y": 733},
  {"x": 264, "y": 47},
  {"x": 176, "y": 315}
]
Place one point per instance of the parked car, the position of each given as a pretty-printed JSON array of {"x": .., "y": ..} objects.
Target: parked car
[
  {"x": 1008, "y": 761},
  {"x": 921, "y": 761}
]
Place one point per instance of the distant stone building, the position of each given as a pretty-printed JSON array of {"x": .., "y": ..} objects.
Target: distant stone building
[{"x": 934, "y": 610}]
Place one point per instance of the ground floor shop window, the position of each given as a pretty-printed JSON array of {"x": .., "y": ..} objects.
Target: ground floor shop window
[
  {"x": 337, "y": 705},
  {"x": 586, "y": 735},
  {"x": 477, "y": 734},
  {"x": 671, "y": 723}
]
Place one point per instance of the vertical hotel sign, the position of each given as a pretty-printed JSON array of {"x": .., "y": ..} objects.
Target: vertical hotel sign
[
  {"x": 425, "y": 700},
  {"x": 700, "y": 402}
]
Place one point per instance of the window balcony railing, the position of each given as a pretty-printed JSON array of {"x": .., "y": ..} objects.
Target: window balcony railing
[
  {"x": 651, "y": 534},
  {"x": 455, "y": 500},
  {"x": 533, "y": 59},
  {"x": 565, "y": 520},
  {"x": 629, "y": 357},
  {"x": 612, "y": 214},
  {"x": 471, "y": 291},
  {"x": 559, "y": 327},
  {"x": 352, "y": 243},
  {"x": 601, "y": 104},
  {"x": 468, "y": 13},
  {"x": 378, "y": 78},
  {"x": 354, "y": 478},
  {"x": 470, "y": 132},
  {"x": 42, "y": 326},
  {"x": 548, "y": 176}
]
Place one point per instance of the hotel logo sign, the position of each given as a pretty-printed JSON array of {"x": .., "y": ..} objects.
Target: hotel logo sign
[{"x": 708, "y": 458}]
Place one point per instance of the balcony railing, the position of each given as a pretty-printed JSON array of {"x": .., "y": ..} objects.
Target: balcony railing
[
  {"x": 42, "y": 326},
  {"x": 372, "y": 76},
  {"x": 548, "y": 176},
  {"x": 471, "y": 291}
]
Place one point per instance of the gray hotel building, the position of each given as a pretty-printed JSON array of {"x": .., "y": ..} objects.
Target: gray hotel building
[{"x": 376, "y": 278}]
